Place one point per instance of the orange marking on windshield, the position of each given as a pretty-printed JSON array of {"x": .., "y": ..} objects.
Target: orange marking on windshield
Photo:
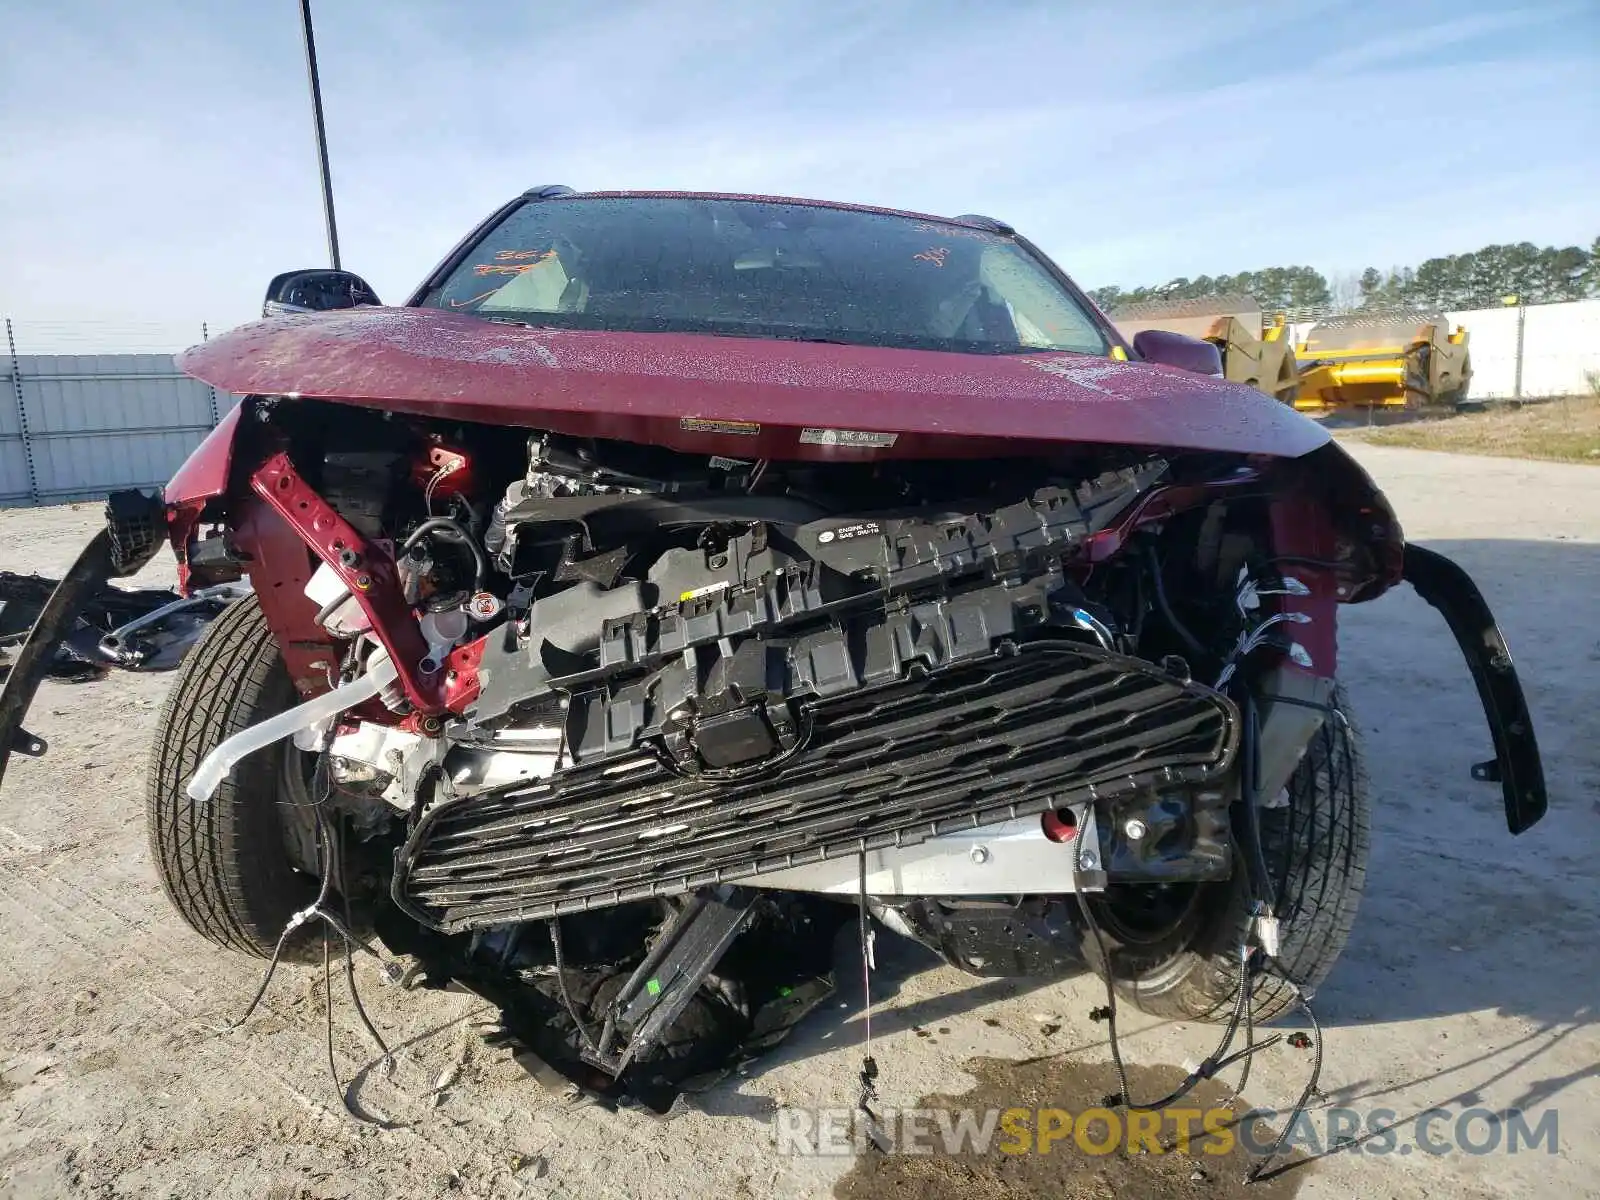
[
  {"x": 936, "y": 256},
  {"x": 506, "y": 263},
  {"x": 481, "y": 296}
]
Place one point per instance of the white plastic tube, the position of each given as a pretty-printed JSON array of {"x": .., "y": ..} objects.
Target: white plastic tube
[{"x": 215, "y": 766}]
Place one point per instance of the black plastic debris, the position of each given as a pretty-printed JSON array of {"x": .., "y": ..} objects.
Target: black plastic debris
[
  {"x": 146, "y": 629},
  {"x": 708, "y": 1019}
]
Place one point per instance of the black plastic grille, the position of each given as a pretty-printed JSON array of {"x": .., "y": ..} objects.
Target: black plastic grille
[{"x": 1030, "y": 728}]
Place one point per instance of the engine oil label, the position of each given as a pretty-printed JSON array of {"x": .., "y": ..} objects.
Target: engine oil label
[
  {"x": 847, "y": 437},
  {"x": 711, "y": 425},
  {"x": 845, "y": 533}
]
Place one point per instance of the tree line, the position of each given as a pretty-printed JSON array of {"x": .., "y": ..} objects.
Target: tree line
[{"x": 1479, "y": 279}]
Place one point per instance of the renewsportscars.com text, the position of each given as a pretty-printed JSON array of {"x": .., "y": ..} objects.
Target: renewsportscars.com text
[{"x": 1210, "y": 1131}]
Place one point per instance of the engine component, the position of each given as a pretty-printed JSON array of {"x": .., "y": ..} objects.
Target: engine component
[{"x": 359, "y": 484}]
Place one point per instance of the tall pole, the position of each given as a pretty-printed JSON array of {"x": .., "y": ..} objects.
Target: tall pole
[
  {"x": 1522, "y": 325},
  {"x": 322, "y": 133}
]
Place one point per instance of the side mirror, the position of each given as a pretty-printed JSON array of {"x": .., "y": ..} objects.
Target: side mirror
[
  {"x": 1176, "y": 350},
  {"x": 316, "y": 291}
]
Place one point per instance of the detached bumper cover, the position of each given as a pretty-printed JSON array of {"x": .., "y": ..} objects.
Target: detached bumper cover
[
  {"x": 133, "y": 533},
  {"x": 1516, "y": 766},
  {"x": 83, "y": 579}
]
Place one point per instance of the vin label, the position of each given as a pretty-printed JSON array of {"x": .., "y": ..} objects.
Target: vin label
[{"x": 860, "y": 438}]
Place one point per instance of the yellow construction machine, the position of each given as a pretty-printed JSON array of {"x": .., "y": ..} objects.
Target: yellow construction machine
[
  {"x": 1383, "y": 362},
  {"x": 1260, "y": 354}
]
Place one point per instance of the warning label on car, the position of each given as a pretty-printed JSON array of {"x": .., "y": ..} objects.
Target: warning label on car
[
  {"x": 710, "y": 589},
  {"x": 847, "y": 437},
  {"x": 844, "y": 533},
  {"x": 711, "y": 425}
]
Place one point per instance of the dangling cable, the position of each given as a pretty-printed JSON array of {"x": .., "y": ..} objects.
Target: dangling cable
[
  {"x": 869, "y": 1066},
  {"x": 330, "y": 861},
  {"x": 350, "y": 961},
  {"x": 1216, "y": 1061},
  {"x": 561, "y": 985},
  {"x": 1258, "y": 1171}
]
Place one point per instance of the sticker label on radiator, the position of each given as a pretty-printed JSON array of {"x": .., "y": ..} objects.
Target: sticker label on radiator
[
  {"x": 862, "y": 438},
  {"x": 718, "y": 463},
  {"x": 845, "y": 532},
  {"x": 711, "y": 425}
]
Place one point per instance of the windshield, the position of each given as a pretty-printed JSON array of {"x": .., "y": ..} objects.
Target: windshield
[{"x": 763, "y": 269}]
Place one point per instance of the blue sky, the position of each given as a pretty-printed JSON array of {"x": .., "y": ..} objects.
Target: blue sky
[{"x": 156, "y": 157}]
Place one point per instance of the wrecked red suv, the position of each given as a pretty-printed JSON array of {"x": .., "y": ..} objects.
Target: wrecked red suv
[{"x": 675, "y": 578}]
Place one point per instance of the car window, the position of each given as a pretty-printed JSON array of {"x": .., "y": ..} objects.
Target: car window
[{"x": 766, "y": 269}]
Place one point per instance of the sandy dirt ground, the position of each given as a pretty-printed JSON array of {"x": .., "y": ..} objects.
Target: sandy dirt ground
[{"x": 1471, "y": 980}]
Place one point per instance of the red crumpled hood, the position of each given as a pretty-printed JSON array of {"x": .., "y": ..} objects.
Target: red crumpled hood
[{"x": 730, "y": 395}]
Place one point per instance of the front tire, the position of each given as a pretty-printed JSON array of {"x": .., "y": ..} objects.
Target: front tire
[
  {"x": 226, "y": 865},
  {"x": 1173, "y": 952}
]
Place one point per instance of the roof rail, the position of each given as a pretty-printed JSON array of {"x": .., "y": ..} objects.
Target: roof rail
[
  {"x": 548, "y": 191},
  {"x": 983, "y": 222}
]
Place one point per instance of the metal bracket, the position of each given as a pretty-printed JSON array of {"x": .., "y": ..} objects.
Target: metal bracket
[
  {"x": 365, "y": 569},
  {"x": 31, "y": 744}
]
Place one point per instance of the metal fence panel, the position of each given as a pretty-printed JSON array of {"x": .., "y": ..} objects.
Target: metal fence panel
[{"x": 75, "y": 426}]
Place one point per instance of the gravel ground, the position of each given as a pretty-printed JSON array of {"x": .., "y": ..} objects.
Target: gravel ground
[{"x": 1470, "y": 980}]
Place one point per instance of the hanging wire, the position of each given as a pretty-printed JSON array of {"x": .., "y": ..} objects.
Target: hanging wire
[{"x": 330, "y": 860}]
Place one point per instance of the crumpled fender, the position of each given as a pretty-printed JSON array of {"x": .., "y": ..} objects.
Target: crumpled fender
[{"x": 202, "y": 478}]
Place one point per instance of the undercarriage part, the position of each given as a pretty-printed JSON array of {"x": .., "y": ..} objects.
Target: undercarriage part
[
  {"x": 673, "y": 969},
  {"x": 1516, "y": 766},
  {"x": 1011, "y": 856},
  {"x": 160, "y": 637},
  {"x": 1022, "y": 729},
  {"x": 1034, "y": 936},
  {"x": 775, "y": 969}
]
